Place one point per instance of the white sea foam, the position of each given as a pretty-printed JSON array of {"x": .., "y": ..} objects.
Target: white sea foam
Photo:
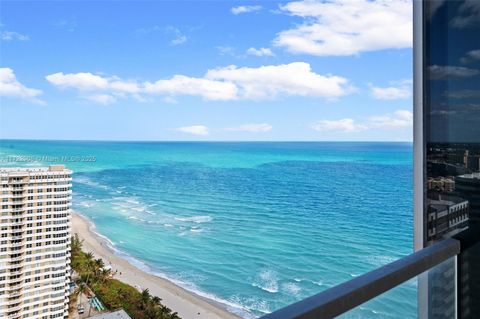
[
  {"x": 267, "y": 280},
  {"x": 251, "y": 304},
  {"x": 380, "y": 260},
  {"x": 291, "y": 288},
  {"x": 135, "y": 218},
  {"x": 87, "y": 181},
  {"x": 195, "y": 219}
]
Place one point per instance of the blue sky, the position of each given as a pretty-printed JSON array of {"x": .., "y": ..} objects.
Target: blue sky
[{"x": 217, "y": 70}]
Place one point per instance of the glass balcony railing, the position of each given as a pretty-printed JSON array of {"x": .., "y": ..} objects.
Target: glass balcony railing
[{"x": 436, "y": 261}]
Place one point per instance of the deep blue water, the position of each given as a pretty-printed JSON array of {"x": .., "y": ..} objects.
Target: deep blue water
[{"x": 254, "y": 225}]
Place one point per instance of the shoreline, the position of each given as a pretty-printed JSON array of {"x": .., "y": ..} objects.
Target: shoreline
[{"x": 186, "y": 303}]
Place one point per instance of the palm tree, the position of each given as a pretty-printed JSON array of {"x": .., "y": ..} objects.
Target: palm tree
[
  {"x": 89, "y": 265},
  {"x": 104, "y": 275},
  {"x": 76, "y": 244},
  {"x": 89, "y": 256},
  {"x": 156, "y": 300},
  {"x": 99, "y": 263},
  {"x": 145, "y": 298}
]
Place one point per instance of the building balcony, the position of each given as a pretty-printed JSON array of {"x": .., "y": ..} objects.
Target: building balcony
[
  {"x": 15, "y": 308},
  {"x": 14, "y": 316},
  {"x": 18, "y": 182},
  {"x": 15, "y": 293}
]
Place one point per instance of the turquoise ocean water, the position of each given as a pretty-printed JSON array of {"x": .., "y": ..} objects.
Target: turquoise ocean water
[{"x": 255, "y": 226}]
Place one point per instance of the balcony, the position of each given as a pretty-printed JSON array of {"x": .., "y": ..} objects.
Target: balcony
[
  {"x": 15, "y": 293},
  {"x": 436, "y": 264},
  {"x": 13, "y": 316}
]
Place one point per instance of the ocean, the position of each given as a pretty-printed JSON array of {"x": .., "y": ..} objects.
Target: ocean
[{"x": 253, "y": 225}]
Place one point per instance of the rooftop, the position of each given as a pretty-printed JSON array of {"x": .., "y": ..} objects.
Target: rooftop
[
  {"x": 24, "y": 170},
  {"x": 472, "y": 175},
  {"x": 119, "y": 314}
]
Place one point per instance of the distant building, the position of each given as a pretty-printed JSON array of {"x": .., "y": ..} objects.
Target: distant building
[
  {"x": 441, "y": 184},
  {"x": 35, "y": 242},
  {"x": 447, "y": 215},
  {"x": 472, "y": 162},
  {"x": 468, "y": 185}
]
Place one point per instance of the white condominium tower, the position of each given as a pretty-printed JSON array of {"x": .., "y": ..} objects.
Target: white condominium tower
[{"x": 35, "y": 242}]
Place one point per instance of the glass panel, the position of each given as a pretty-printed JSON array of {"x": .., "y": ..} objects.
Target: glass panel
[
  {"x": 452, "y": 131},
  {"x": 400, "y": 302},
  {"x": 452, "y": 109}
]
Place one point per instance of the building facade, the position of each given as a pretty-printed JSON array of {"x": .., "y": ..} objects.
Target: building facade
[{"x": 35, "y": 242}]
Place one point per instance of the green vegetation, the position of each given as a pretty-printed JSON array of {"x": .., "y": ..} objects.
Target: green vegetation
[{"x": 113, "y": 293}]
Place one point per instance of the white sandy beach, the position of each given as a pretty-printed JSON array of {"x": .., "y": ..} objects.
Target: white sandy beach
[{"x": 187, "y": 304}]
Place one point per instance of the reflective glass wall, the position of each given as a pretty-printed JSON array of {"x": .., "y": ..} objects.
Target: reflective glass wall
[{"x": 451, "y": 109}]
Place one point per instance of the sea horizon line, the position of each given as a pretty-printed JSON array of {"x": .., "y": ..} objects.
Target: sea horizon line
[{"x": 204, "y": 141}]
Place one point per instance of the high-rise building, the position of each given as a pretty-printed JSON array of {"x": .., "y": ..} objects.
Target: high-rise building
[{"x": 35, "y": 242}]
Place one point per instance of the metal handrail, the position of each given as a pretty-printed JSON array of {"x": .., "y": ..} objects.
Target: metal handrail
[{"x": 346, "y": 296}]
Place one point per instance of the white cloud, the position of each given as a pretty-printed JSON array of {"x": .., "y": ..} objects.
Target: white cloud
[
  {"x": 221, "y": 84},
  {"x": 106, "y": 90},
  {"x": 245, "y": 9},
  {"x": 11, "y": 35},
  {"x": 194, "y": 129},
  {"x": 253, "y": 128},
  {"x": 268, "y": 82},
  {"x": 439, "y": 72},
  {"x": 346, "y": 27},
  {"x": 104, "y": 99},
  {"x": 471, "y": 56},
  {"x": 260, "y": 52},
  {"x": 80, "y": 81},
  {"x": 184, "y": 85},
  {"x": 400, "y": 119},
  {"x": 179, "y": 38},
  {"x": 11, "y": 87},
  {"x": 225, "y": 50},
  {"x": 344, "y": 125},
  {"x": 398, "y": 90}
]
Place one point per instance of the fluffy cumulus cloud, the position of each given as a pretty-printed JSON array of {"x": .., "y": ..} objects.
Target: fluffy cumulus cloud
[
  {"x": 81, "y": 81},
  {"x": 11, "y": 87},
  {"x": 267, "y": 82},
  {"x": 400, "y": 119},
  {"x": 194, "y": 129},
  {"x": 220, "y": 84},
  {"x": 442, "y": 72},
  {"x": 184, "y": 85},
  {"x": 96, "y": 88},
  {"x": 260, "y": 52},
  {"x": 346, "y": 27},
  {"x": 245, "y": 9},
  {"x": 397, "y": 90},
  {"x": 252, "y": 128}
]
